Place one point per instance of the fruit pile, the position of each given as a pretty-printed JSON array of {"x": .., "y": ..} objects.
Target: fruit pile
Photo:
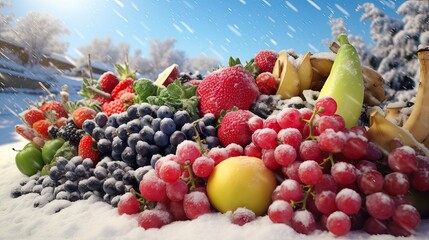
[{"x": 282, "y": 136}]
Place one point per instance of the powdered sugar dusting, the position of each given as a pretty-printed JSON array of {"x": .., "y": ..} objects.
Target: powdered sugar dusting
[
  {"x": 279, "y": 205},
  {"x": 348, "y": 193},
  {"x": 304, "y": 217}
]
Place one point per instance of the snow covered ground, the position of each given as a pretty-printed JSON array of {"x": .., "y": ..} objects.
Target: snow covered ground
[{"x": 87, "y": 219}]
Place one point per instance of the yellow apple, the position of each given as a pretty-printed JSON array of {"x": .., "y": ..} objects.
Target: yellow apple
[{"x": 241, "y": 182}]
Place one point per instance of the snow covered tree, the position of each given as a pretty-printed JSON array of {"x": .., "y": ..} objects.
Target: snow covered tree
[
  {"x": 202, "y": 64},
  {"x": 103, "y": 50},
  {"x": 397, "y": 43},
  {"x": 39, "y": 33},
  {"x": 162, "y": 54},
  {"x": 5, "y": 20}
]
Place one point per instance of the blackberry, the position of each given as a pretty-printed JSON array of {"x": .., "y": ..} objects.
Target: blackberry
[
  {"x": 52, "y": 131},
  {"x": 70, "y": 132}
]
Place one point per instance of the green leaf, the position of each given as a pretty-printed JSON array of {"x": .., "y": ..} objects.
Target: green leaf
[{"x": 143, "y": 88}]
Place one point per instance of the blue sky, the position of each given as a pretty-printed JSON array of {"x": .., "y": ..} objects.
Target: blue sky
[{"x": 238, "y": 28}]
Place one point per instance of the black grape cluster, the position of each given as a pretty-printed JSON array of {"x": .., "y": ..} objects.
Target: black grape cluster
[
  {"x": 266, "y": 105},
  {"x": 142, "y": 134},
  {"x": 186, "y": 77},
  {"x": 77, "y": 179}
]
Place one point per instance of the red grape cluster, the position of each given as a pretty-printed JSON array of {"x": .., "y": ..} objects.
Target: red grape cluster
[
  {"x": 334, "y": 176},
  {"x": 175, "y": 189}
]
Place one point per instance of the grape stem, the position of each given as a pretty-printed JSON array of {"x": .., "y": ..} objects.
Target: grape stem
[
  {"x": 197, "y": 136},
  {"x": 310, "y": 122},
  {"x": 191, "y": 175}
]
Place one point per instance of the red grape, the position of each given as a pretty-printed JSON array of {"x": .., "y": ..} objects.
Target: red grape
[
  {"x": 176, "y": 190},
  {"x": 290, "y": 190},
  {"x": 355, "y": 147},
  {"x": 154, "y": 218},
  {"x": 266, "y": 138},
  {"x": 303, "y": 222},
  {"x": 187, "y": 151},
  {"x": 170, "y": 171},
  {"x": 289, "y": 118},
  {"x": 196, "y": 204},
  {"x": 402, "y": 159},
  {"x": 344, "y": 173},
  {"x": 325, "y": 202},
  {"x": 242, "y": 216},
  {"x": 152, "y": 187},
  {"x": 255, "y": 123},
  {"x": 338, "y": 223},
  {"x": 269, "y": 159},
  {"x": 375, "y": 226},
  {"x": 310, "y": 172},
  {"x": 407, "y": 217},
  {"x": 203, "y": 166},
  {"x": 252, "y": 150},
  {"x": 285, "y": 154},
  {"x": 177, "y": 211},
  {"x": 420, "y": 179},
  {"x": 371, "y": 181},
  {"x": 271, "y": 122},
  {"x": 326, "y": 106},
  {"x": 291, "y": 171},
  {"x": 380, "y": 205},
  {"x": 326, "y": 183},
  {"x": 218, "y": 154},
  {"x": 348, "y": 201},
  {"x": 331, "y": 141},
  {"x": 128, "y": 204},
  {"x": 280, "y": 211},
  {"x": 310, "y": 150},
  {"x": 290, "y": 136},
  {"x": 396, "y": 183}
]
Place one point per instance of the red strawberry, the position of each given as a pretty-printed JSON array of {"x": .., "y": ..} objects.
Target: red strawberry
[
  {"x": 41, "y": 127},
  {"x": 102, "y": 100},
  {"x": 125, "y": 86},
  {"x": 225, "y": 88},
  {"x": 108, "y": 81},
  {"x": 25, "y": 131},
  {"x": 54, "y": 107},
  {"x": 116, "y": 106},
  {"x": 234, "y": 128},
  {"x": 128, "y": 98},
  {"x": 86, "y": 149},
  {"x": 32, "y": 115},
  {"x": 81, "y": 114},
  {"x": 265, "y": 60},
  {"x": 267, "y": 83}
]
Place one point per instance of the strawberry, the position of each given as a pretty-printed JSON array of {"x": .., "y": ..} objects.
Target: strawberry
[
  {"x": 128, "y": 98},
  {"x": 26, "y": 132},
  {"x": 234, "y": 128},
  {"x": 41, "y": 127},
  {"x": 86, "y": 149},
  {"x": 116, "y": 106},
  {"x": 267, "y": 83},
  {"x": 265, "y": 60},
  {"x": 124, "y": 86},
  {"x": 32, "y": 115},
  {"x": 54, "y": 107},
  {"x": 108, "y": 81},
  {"x": 102, "y": 100},
  {"x": 225, "y": 88},
  {"x": 81, "y": 114}
]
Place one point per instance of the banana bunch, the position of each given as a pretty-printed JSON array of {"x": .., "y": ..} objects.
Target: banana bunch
[
  {"x": 414, "y": 132},
  {"x": 310, "y": 71}
]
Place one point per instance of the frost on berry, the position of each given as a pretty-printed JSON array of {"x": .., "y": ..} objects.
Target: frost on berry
[
  {"x": 154, "y": 218},
  {"x": 303, "y": 222},
  {"x": 280, "y": 211},
  {"x": 196, "y": 204},
  {"x": 187, "y": 151},
  {"x": 242, "y": 216}
]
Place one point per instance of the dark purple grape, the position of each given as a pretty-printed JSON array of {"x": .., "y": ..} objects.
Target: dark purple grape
[
  {"x": 177, "y": 137},
  {"x": 146, "y": 120},
  {"x": 164, "y": 112},
  {"x": 189, "y": 130},
  {"x": 147, "y": 134},
  {"x": 181, "y": 117},
  {"x": 133, "y": 126},
  {"x": 132, "y": 112},
  {"x": 104, "y": 145},
  {"x": 118, "y": 144},
  {"x": 128, "y": 155},
  {"x": 144, "y": 109},
  {"x": 112, "y": 121},
  {"x": 142, "y": 160},
  {"x": 101, "y": 119},
  {"x": 142, "y": 148},
  {"x": 110, "y": 132},
  {"x": 133, "y": 139},
  {"x": 167, "y": 126},
  {"x": 122, "y": 118},
  {"x": 156, "y": 123},
  {"x": 161, "y": 139},
  {"x": 122, "y": 132},
  {"x": 212, "y": 142},
  {"x": 88, "y": 126}
]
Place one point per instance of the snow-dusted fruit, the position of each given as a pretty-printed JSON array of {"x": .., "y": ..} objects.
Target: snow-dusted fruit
[{"x": 228, "y": 186}]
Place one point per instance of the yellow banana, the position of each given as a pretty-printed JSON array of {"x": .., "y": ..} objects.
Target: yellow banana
[
  {"x": 278, "y": 66},
  {"x": 418, "y": 121},
  {"x": 393, "y": 113},
  {"x": 383, "y": 132},
  {"x": 289, "y": 85},
  {"x": 305, "y": 71},
  {"x": 345, "y": 83}
]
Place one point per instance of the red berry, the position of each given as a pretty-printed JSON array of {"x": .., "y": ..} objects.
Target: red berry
[
  {"x": 326, "y": 106},
  {"x": 154, "y": 218},
  {"x": 234, "y": 128},
  {"x": 196, "y": 204},
  {"x": 87, "y": 149},
  {"x": 81, "y": 114},
  {"x": 116, "y": 106},
  {"x": 226, "y": 88},
  {"x": 267, "y": 83},
  {"x": 128, "y": 204},
  {"x": 54, "y": 107},
  {"x": 41, "y": 127},
  {"x": 242, "y": 216},
  {"x": 32, "y": 115},
  {"x": 265, "y": 60},
  {"x": 108, "y": 81},
  {"x": 125, "y": 86},
  {"x": 26, "y": 132}
]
